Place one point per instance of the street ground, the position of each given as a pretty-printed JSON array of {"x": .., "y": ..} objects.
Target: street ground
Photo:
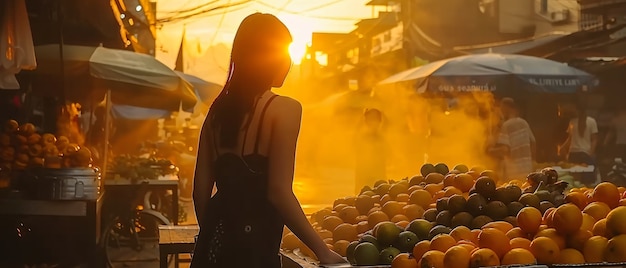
[{"x": 314, "y": 192}]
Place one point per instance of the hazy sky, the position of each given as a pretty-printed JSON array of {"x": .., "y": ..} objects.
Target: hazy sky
[{"x": 205, "y": 31}]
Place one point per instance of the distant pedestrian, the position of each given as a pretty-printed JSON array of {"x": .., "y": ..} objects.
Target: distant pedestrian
[
  {"x": 515, "y": 143},
  {"x": 371, "y": 151},
  {"x": 580, "y": 146},
  {"x": 617, "y": 134}
]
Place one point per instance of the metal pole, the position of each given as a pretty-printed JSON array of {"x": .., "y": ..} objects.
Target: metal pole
[
  {"x": 61, "y": 56},
  {"x": 107, "y": 131}
]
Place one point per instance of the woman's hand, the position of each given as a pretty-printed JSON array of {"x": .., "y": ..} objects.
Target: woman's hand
[{"x": 331, "y": 257}]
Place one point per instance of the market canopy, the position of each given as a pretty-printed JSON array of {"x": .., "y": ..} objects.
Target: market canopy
[
  {"x": 501, "y": 73},
  {"x": 133, "y": 78},
  {"x": 205, "y": 91}
]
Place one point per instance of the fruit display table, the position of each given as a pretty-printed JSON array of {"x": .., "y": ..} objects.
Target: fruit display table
[
  {"x": 469, "y": 217},
  {"x": 36, "y": 232},
  {"x": 295, "y": 259}
]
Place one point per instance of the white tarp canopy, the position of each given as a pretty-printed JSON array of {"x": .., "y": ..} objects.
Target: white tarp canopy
[{"x": 16, "y": 43}]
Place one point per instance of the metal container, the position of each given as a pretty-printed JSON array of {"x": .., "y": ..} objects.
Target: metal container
[{"x": 65, "y": 183}]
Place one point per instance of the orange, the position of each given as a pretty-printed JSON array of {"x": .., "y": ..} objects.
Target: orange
[
  {"x": 567, "y": 219},
  {"x": 571, "y": 256},
  {"x": 413, "y": 211},
  {"x": 547, "y": 217},
  {"x": 448, "y": 180},
  {"x": 442, "y": 242},
  {"x": 622, "y": 202},
  {"x": 597, "y": 210},
  {"x": 290, "y": 242},
  {"x": 414, "y": 188},
  {"x": 600, "y": 228},
  {"x": 376, "y": 217},
  {"x": 621, "y": 190},
  {"x": 421, "y": 198},
  {"x": 384, "y": 199},
  {"x": 399, "y": 218},
  {"x": 341, "y": 247},
  {"x": 325, "y": 234},
  {"x": 470, "y": 246},
  {"x": 403, "y": 197},
  {"x": 404, "y": 260},
  {"x": 616, "y": 249},
  {"x": 542, "y": 227},
  {"x": 588, "y": 222},
  {"x": 437, "y": 195},
  {"x": 307, "y": 251},
  {"x": 484, "y": 257},
  {"x": 339, "y": 207},
  {"x": 420, "y": 248},
  {"x": 553, "y": 235},
  {"x": 500, "y": 225},
  {"x": 362, "y": 227},
  {"x": 519, "y": 256},
  {"x": 434, "y": 178},
  {"x": 495, "y": 240},
  {"x": 403, "y": 224},
  {"x": 463, "y": 182},
  {"x": 462, "y": 233},
  {"x": 594, "y": 248},
  {"x": 577, "y": 198},
  {"x": 529, "y": 219},
  {"x": 607, "y": 193},
  {"x": 451, "y": 190},
  {"x": 432, "y": 259},
  {"x": 456, "y": 256},
  {"x": 331, "y": 222},
  {"x": 433, "y": 188},
  {"x": 577, "y": 240},
  {"x": 349, "y": 214},
  {"x": 516, "y": 232},
  {"x": 616, "y": 221},
  {"x": 520, "y": 242},
  {"x": 475, "y": 232},
  {"x": 545, "y": 250},
  {"x": 319, "y": 216},
  {"x": 345, "y": 231}
]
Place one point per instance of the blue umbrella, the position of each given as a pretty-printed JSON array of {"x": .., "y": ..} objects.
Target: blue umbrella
[
  {"x": 205, "y": 91},
  {"x": 498, "y": 73}
]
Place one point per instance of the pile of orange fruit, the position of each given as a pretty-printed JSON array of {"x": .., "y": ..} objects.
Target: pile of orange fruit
[{"x": 386, "y": 225}]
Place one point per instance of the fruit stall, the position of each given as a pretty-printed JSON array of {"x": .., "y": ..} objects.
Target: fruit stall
[
  {"x": 469, "y": 217},
  {"x": 50, "y": 195}
]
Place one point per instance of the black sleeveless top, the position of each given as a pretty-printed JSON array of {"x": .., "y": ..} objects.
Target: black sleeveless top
[{"x": 242, "y": 228}]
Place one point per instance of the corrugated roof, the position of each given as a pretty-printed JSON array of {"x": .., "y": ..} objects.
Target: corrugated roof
[{"x": 512, "y": 47}]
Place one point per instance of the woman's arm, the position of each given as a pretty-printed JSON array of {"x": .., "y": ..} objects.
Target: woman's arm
[
  {"x": 203, "y": 180},
  {"x": 282, "y": 150}
]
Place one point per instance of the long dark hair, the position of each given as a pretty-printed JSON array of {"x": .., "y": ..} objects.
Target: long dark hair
[
  {"x": 259, "y": 44},
  {"x": 581, "y": 113}
]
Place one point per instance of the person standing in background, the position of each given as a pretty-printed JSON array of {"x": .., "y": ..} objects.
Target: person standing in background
[
  {"x": 580, "y": 146},
  {"x": 617, "y": 134},
  {"x": 582, "y": 140},
  {"x": 371, "y": 151},
  {"x": 515, "y": 143}
]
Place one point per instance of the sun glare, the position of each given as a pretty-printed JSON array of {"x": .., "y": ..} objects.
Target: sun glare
[{"x": 297, "y": 51}]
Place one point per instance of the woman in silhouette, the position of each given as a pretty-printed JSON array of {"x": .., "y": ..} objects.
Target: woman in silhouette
[{"x": 247, "y": 151}]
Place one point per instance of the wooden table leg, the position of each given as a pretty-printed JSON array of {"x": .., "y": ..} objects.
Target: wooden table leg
[
  {"x": 175, "y": 205},
  {"x": 163, "y": 258}
]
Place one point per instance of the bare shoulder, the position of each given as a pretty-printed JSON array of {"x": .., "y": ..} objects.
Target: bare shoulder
[{"x": 286, "y": 106}]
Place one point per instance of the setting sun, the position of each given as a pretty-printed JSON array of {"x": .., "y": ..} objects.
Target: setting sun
[{"x": 297, "y": 52}]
